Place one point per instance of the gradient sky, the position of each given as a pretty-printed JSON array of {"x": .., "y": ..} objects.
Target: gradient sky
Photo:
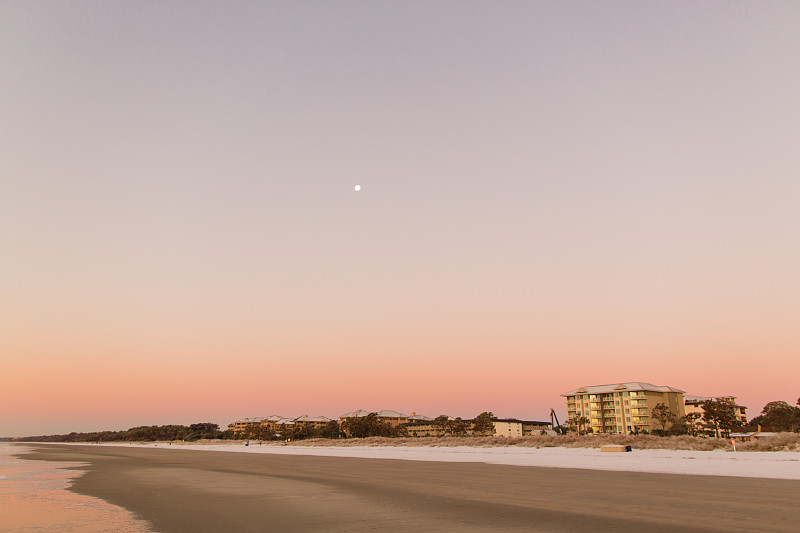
[{"x": 555, "y": 194}]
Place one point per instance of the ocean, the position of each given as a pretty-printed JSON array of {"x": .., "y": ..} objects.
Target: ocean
[{"x": 34, "y": 497}]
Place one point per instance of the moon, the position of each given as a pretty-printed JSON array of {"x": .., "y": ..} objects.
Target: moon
[{"x": 357, "y": 188}]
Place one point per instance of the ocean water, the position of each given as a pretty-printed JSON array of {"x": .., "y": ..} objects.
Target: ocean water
[{"x": 33, "y": 497}]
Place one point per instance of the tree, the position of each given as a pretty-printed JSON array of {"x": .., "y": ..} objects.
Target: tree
[
  {"x": 440, "y": 423},
  {"x": 330, "y": 430},
  {"x": 262, "y": 433},
  {"x": 457, "y": 427},
  {"x": 203, "y": 430},
  {"x": 690, "y": 421},
  {"x": 483, "y": 425},
  {"x": 778, "y": 416},
  {"x": 720, "y": 415},
  {"x": 367, "y": 426},
  {"x": 663, "y": 416},
  {"x": 579, "y": 424}
]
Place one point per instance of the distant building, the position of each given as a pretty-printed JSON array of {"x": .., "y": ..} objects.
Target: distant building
[
  {"x": 694, "y": 404},
  {"x": 312, "y": 422},
  {"x": 512, "y": 427},
  {"x": 620, "y": 407},
  {"x": 752, "y": 435},
  {"x": 393, "y": 418},
  {"x": 245, "y": 424},
  {"x": 503, "y": 427},
  {"x": 278, "y": 424}
]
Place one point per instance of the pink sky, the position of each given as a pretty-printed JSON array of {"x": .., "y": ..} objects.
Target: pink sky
[{"x": 553, "y": 197}]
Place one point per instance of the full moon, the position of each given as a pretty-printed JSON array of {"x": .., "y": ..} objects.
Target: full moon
[{"x": 357, "y": 188}]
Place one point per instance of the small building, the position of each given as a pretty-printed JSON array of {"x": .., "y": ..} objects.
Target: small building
[{"x": 751, "y": 435}]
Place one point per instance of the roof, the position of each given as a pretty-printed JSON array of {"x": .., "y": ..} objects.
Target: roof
[
  {"x": 696, "y": 399},
  {"x": 391, "y": 414},
  {"x": 700, "y": 399},
  {"x": 355, "y": 414},
  {"x": 617, "y": 387},
  {"x": 419, "y": 417},
  {"x": 383, "y": 414},
  {"x": 306, "y": 418},
  {"x": 517, "y": 420},
  {"x": 248, "y": 420}
]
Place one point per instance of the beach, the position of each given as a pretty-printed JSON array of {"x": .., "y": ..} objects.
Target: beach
[{"x": 182, "y": 490}]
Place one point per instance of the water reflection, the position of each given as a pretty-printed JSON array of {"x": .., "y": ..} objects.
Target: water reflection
[{"x": 33, "y": 497}]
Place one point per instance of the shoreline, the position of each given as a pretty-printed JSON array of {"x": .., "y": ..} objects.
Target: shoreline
[
  {"x": 180, "y": 490},
  {"x": 769, "y": 465}
]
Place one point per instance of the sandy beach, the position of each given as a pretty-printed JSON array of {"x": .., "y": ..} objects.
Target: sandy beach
[{"x": 180, "y": 490}]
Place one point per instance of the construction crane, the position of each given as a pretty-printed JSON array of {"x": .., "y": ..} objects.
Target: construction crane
[{"x": 554, "y": 421}]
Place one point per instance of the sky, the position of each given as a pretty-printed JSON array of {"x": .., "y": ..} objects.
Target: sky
[{"x": 554, "y": 195}]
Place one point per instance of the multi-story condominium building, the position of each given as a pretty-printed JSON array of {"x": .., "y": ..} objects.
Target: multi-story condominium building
[
  {"x": 245, "y": 424},
  {"x": 279, "y": 424},
  {"x": 270, "y": 421},
  {"x": 694, "y": 404},
  {"x": 393, "y": 418},
  {"x": 313, "y": 422},
  {"x": 620, "y": 407}
]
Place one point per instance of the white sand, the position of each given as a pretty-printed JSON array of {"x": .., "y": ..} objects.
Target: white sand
[{"x": 775, "y": 465}]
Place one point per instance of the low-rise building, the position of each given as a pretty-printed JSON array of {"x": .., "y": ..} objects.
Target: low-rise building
[
  {"x": 503, "y": 427},
  {"x": 694, "y": 404},
  {"x": 312, "y": 422},
  {"x": 393, "y": 418},
  {"x": 620, "y": 407},
  {"x": 245, "y": 424}
]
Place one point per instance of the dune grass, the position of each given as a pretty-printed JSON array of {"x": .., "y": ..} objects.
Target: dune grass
[{"x": 780, "y": 442}]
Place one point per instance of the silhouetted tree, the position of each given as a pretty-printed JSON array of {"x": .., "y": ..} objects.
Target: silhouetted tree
[
  {"x": 663, "y": 416},
  {"x": 720, "y": 415},
  {"x": 778, "y": 416},
  {"x": 457, "y": 427},
  {"x": 440, "y": 423},
  {"x": 331, "y": 430},
  {"x": 483, "y": 425}
]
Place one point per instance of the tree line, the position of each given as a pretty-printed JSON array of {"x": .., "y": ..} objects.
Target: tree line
[
  {"x": 361, "y": 427},
  {"x": 370, "y": 425},
  {"x": 193, "y": 432}
]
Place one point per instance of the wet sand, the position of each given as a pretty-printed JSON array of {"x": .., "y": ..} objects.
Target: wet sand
[{"x": 198, "y": 491}]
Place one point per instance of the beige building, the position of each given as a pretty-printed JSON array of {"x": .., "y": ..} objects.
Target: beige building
[
  {"x": 694, "y": 404},
  {"x": 621, "y": 407},
  {"x": 278, "y": 424},
  {"x": 503, "y": 427},
  {"x": 245, "y": 424},
  {"x": 512, "y": 427},
  {"x": 313, "y": 422},
  {"x": 393, "y": 418}
]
